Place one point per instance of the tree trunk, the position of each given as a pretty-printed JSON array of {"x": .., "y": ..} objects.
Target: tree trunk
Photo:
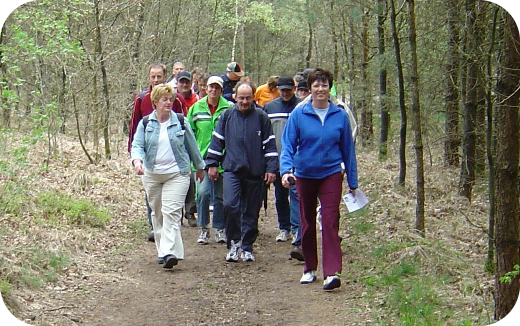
[
  {"x": 402, "y": 106},
  {"x": 507, "y": 242},
  {"x": 452, "y": 143},
  {"x": 6, "y": 110},
  {"x": 104, "y": 80},
  {"x": 367, "y": 128},
  {"x": 137, "y": 32},
  {"x": 310, "y": 40},
  {"x": 467, "y": 171},
  {"x": 416, "y": 123},
  {"x": 385, "y": 116},
  {"x": 490, "y": 153}
]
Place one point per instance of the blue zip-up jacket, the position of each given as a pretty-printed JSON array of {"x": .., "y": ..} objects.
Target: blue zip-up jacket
[
  {"x": 315, "y": 151},
  {"x": 244, "y": 142},
  {"x": 183, "y": 143}
]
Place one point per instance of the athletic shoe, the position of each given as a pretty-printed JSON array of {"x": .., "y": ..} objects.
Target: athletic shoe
[
  {"x": 170, "y": 261},
  {"x": 297, "y": 253},
  {"x": 331, "y": 282},
  {"x": 160, "y": 260},
  {"x": 282, "y": 236},
  {"x": 308, "y": 277},
  {"x": 204, "y": 236},
  {"x": 151, "y": 237},
  {"x": 192, "y": 221},
  {"x": 220, "y": 236},
  {"x": 294, "y": 237},
  {"x": 247, "y": 256},
  {"x": 232, "y": 255}
]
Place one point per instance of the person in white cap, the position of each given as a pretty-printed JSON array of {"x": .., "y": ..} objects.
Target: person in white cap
[
  {"x": 230, "y": 79},
  {"x": 203, "y": 117}
]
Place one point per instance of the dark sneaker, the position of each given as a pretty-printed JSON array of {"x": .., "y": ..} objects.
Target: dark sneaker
[
  {"x": 297, "y": 253},
  {"x": 331, "y": 282},
  {"x": 151, "y": 237},
  {"x": 160, "y": 260},
  {"x": 169, "y": 261},
  {"x": 192, "y": 221}
]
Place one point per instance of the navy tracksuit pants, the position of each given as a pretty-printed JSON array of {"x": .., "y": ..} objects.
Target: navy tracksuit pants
[{"x": 242, "y": 202}]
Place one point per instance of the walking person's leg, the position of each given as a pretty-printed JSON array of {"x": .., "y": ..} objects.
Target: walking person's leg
[
  {"x": 330, "y": 198},
  {"x": 251, "y": 204},
  {"x": 173, "y": 197}
]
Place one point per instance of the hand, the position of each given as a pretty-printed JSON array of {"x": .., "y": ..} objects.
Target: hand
[
  {"x": 213, "y": 173},
  {"x": 288, "y": 180},
  {"x": 199, "y": 175},
  {"x": 269, "y": 178},
  {"x": 138, "y": 167}
]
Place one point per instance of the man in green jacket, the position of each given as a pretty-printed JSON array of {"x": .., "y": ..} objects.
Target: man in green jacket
[{"x": 203, "y": 117}]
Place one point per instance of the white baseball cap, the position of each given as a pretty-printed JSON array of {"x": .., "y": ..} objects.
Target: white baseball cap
[{"x": 216, "y": 80}]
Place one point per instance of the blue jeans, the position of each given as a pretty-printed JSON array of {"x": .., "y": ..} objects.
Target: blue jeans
[
  {"x": 287, "y": 208},
  {"x": 210, "y": 191}
]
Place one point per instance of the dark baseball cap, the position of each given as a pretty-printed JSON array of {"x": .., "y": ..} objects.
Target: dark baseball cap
[
  {"x": 185, "y": 75},
  {"x": 303, "y": 85},
  {"x": 285, "y": 82}
]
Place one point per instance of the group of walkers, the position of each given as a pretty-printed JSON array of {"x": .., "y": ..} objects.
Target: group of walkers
[{"x": 218, "y": 141}]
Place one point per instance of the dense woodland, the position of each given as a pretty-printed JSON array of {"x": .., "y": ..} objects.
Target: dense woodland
[{"x": 426, "y": 75}]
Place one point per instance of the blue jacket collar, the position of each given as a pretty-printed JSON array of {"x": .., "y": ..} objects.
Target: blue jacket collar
[{"x": 307, "y": 108}]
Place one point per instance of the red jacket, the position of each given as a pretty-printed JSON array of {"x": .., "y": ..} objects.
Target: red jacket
[{"x": 143, "y": 107}]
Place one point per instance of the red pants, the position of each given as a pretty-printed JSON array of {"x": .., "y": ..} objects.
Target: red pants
[{"x": 328, "y": 191}]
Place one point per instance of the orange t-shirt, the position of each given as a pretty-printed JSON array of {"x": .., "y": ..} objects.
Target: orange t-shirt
[{"x": 264, "y": 95}]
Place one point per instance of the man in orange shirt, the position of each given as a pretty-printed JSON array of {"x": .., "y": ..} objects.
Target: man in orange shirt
[{"x": 267, "y": 92}]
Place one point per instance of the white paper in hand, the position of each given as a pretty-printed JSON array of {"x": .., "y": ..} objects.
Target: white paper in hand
[{"x": 355, "y": 203}]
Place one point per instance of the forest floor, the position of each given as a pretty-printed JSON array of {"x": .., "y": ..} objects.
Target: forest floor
[{"x": 108, "y": 275}]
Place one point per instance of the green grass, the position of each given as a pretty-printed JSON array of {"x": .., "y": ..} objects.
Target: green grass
[
  {"x": 5, "y": 286},
  {"x": 53, "y": 206}
]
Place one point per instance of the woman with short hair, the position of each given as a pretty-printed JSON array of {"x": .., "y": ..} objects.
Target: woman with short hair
[
  {"x": 162, "y": 150},
  {"x": 316, "y": 140}
]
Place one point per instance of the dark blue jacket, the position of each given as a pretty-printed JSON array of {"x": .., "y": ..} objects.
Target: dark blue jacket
[
  {"x": 227, "y": 89},
  {"x": 243, "y": 143}
]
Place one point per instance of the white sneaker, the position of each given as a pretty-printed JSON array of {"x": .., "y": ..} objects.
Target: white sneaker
[
  {"x": 308, "y": 277},
  {"x": 294, "y": 236},
  {"x": 204, "y": 236},
  {"x": 247, "y": 256},
  {"x": 232, "y": 255},
  {"x": 282, "y": 236},
  {"x": 331, "y": 282},
  {"x": 220, "y": 236}
]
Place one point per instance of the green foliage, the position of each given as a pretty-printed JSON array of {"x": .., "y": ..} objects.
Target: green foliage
[
  {"x": 509, "y": 276},
  {"x": 55, "y": 205},
  {"x": 5, "y": 286}
]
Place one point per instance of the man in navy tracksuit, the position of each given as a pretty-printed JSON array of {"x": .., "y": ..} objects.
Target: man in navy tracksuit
[{"x": 244, "y": 144}]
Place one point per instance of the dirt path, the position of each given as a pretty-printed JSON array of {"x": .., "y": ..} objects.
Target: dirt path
[
  {"x": 206, "y": 290},
  {"x": 132, "y": 289}
]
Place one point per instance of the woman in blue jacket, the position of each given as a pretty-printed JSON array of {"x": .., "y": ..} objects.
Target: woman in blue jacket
[
  {"x": 162, "y": 150},
  {"x": 315, "y": 142}
]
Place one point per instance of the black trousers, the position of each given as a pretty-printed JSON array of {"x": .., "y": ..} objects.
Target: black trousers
[{"x": 242, "y": 202}]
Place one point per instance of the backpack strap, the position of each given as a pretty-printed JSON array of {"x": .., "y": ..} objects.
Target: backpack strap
[
  {"x": 180, "y": 116},
  {"x": 142, "y": 94},
  {"x": 145, "y": 121}
]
